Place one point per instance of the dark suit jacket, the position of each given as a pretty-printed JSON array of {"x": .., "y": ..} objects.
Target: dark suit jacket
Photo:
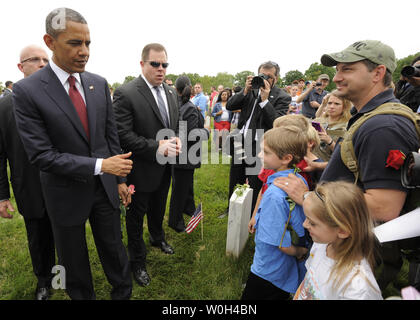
[
  {"x": 278, "y": 104},
  {"x": 139, "y": 121},
  {"x": 23, "y": 176},
  {"x": 193, "y": 122},
  {"x": 55, "y": 141},
  {"x": 6, "y": 92}
]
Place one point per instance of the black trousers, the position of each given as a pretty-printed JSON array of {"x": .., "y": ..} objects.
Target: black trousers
[
  {"x": 41, "y": 248},
  {"x": 152, "y": 204},
  {"x": 182, "y": 196},
  {"x": 391, "y": 259},
  {"x": 73, "y": 252},
  {"x": 248, "y": 168},
  {"x": 258, "y": 288}
]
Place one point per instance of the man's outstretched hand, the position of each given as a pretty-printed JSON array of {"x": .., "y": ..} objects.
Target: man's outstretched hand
[{"x": 118, "y": 165}]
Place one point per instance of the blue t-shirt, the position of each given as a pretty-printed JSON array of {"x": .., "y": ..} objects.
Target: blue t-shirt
[
  {"x": 200, "y": 100},
  {"x": 269, "y": 262}
]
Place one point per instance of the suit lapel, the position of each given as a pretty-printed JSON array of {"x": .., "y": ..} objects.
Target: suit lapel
[
  {"x": 56, "y": 91},
  {"x": 148, "y": 95},
  {"x": 89, "y": 90},
  {"x": 171, "y": 97}
]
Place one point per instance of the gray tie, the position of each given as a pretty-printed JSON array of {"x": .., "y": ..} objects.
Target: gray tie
[{"x": 161, "y": 105}]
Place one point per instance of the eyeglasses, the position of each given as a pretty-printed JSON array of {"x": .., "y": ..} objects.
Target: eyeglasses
[
  {"x": 156, "y": 64},
  {"x": 319, "y": 196},
  {"x": 35, "y": 60}
]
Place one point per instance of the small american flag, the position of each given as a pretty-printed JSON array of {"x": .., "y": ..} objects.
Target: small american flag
[{"x": 195, "y": 219}]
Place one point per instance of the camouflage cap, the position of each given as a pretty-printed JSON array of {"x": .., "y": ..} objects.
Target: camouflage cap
[{"x": 372, "y": 50}]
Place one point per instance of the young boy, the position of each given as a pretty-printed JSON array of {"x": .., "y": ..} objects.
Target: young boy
[
  {"x": 312, "y": 176},
  {"x": 275, "y": 272}
]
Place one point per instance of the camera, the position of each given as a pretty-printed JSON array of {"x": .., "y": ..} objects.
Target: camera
[
  {"x": 258, "y": 81},
  {"x": 410, "y": 72},
  {"x": 318, "y": 84},
  {"x": 410, "y": 173}
]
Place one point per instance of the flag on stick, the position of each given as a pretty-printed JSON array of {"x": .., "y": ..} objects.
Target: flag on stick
[{"x": 195, "y": 219}]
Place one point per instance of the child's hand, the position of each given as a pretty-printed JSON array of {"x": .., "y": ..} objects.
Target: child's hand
[
  {"x": 251, "y": 225},
  {"x": 301, "y": 253}
]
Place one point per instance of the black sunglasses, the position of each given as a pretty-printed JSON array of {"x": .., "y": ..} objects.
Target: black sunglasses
[{"x": 156, "y": 64}]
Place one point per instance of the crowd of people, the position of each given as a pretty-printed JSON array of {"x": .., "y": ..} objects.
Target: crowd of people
[{"x": 73, "y": 149}]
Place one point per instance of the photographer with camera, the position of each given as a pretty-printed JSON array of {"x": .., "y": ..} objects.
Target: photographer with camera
[
  {"x": 313, "y": 95},
  {"x": 260, "y": 103},
  {"x": 407, "y": 88}
]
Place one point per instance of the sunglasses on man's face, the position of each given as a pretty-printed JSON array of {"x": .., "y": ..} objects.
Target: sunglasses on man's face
[{"x": 156, "y": 64}]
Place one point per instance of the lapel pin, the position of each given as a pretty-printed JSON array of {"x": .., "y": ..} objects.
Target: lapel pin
[
  {"x": 91, "y": 88},
  {"x": 170, "y": 91}
]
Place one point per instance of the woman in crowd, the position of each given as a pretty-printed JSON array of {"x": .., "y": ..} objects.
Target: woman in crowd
[
  {"x": 333, "y": 115},
  {"x": 222, "y": 118},
  {"x": 182, "y": 197}
]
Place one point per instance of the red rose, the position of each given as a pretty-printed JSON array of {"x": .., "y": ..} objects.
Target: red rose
[
  {"x": 395, "y": 159},
  {"x": 131, "y": 189}
]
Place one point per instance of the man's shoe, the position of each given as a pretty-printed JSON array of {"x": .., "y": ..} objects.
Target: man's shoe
[
  {"x": 180, "y": 230},
  {"x": 164, "y": 246},
  {"x": 42, "y": 293},
  {"x": 142, "y": 277},
  {"x": 180, "y": 227}
]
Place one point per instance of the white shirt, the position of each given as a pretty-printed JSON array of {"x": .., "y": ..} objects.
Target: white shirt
[
  {"x": 162, "y": 93},
  {"x": 63, "y": 76},
  {"x": 225, "y": 115},
  {"x": 359, "y": 284},
  {"x": 262, "y": 104}
]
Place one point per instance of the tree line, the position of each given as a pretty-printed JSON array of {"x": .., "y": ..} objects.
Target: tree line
[
  {"x": 230, "y": 81},
  {"x": 312, "y": 73}
]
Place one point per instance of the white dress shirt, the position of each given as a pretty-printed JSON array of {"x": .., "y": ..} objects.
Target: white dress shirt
[
  {"x": 63, "y": 76},
  {"x": 262, "y": 104},
  {"x": 162, "y": 93}
]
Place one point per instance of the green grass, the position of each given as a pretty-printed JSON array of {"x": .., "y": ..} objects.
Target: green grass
[{"x": 199, "y": 269}]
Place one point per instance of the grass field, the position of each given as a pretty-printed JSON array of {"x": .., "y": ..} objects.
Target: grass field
[{"x": 199, "y": 269}]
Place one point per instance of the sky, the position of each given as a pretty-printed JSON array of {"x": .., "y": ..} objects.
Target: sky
[{"x": 207, "y": 37}]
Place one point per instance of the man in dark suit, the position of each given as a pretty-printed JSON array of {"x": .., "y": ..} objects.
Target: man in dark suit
[
  {"x": 25, "y": 182},
  {"x": 8, "y": 90},
  {"x": 65, "y": 119},
  {"x": 144, "y": 108},
  {"x": 259, "y": 108}
]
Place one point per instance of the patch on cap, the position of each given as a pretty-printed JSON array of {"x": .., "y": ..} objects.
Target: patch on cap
[{"x": 372, "y": 50}]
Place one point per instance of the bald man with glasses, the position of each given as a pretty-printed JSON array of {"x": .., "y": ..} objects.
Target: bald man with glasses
[{"x": 25, "y": 182}]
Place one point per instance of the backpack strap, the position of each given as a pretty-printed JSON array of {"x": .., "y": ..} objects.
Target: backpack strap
[{"x": 347, "y": 149}]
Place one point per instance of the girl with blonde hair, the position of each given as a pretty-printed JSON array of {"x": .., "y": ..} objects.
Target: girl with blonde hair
[
  {"x": 342, "y": 257},
  {"x": 333, "y": 115}
]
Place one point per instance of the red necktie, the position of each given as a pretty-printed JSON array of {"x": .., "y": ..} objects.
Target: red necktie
[{"x": 79, "y": 104}]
